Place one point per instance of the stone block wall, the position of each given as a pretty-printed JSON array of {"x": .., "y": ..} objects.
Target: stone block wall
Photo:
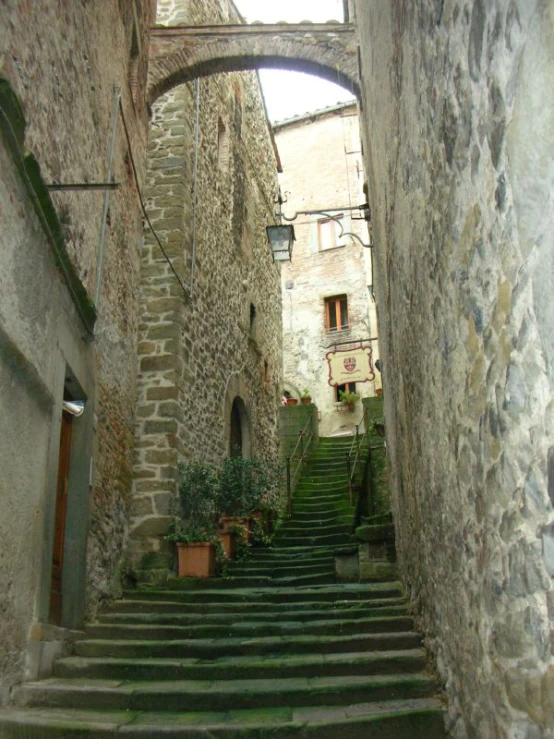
[
  {"x": 458, "y": 101},
  {"x": 210, "y": 196},
  {"x": 62, "y": 60}
]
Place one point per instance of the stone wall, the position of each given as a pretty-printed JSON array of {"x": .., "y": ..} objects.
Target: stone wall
[
  {"x": 62, "y": 61},
  {"x": 458, "y": 136},
  {"x": 218, "y": 335},
  {"x": 322, "y": 168}
]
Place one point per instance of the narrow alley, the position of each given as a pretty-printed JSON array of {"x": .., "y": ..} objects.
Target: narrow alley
[{"x": 201, "y": 308}]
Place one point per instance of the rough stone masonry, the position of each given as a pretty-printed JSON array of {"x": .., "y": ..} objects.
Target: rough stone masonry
[
  {"x": 459, "y": 132},
  {"x": 211, "y": 192}
]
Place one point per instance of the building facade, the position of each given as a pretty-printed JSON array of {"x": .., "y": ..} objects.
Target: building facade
[
  {"x": 328, "y": 284},
  {"x": 210, "y": 341}
]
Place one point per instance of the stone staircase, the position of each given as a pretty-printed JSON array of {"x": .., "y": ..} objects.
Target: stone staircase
[{"x": 276, "y": 649}]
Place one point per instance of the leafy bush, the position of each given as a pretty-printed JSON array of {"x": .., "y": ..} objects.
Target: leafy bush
[
  {"x": 198, "y": 495},
  {"x": 248, "y": 485}
]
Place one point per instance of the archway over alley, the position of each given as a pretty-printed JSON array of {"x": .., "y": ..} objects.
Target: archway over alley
[{"x": 180, "y": 54}]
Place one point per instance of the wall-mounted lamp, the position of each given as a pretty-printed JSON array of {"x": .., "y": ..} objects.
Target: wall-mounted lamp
[
  {"x": 281, "y": 239},
  {"x": 74, "y": 407}
]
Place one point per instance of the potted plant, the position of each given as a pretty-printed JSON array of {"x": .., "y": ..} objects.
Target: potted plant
[
  {"x": 248, "y": 488},
  {"x": 195, "y": 552},
  {"x": 349, "y": 399},
  {"x": 195, "y": 528},
  {"x": 306, "y": 397}
]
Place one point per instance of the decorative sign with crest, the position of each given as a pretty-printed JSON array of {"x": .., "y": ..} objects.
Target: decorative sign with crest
[{"x": 350, "y": 365}]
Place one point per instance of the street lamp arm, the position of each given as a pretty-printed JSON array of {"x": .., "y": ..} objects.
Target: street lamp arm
[{"x": 331, "y": 218}]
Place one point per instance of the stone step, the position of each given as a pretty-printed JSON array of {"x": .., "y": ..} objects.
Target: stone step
[
  {"x": 294, "y": 528},
  {"x": 222, "y": 695},
  {"x": 272, "y": 569},
  {"x": 306, "y": 516},
  {"x": 216, "y": 648},
  {"x": 289, "y": 554},
  {"x": 312, "y": 504},
  {"x": 300, "y": 539},
  {"x": 248, "y": 668},
  {"x": 124, "y": 608},
  {"x": 338, "y": 592},
  {"x": 398, "y": 719},
  {"x": 311, "y": 612},
  {"x": 250, "y": 629},
  {"x": 372, "y": 533}
]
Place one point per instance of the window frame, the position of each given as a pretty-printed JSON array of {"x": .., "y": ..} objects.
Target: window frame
[
  {"x": 333, "y": 304},
  {"x": 336, "y": 239}
]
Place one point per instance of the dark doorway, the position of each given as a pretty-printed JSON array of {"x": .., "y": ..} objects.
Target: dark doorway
[
  {"x": 235, "y": 442},
  {"x": 62, "y": 490}
]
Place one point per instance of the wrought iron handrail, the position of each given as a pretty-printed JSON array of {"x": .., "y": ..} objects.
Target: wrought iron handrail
[
  {"x": 357, "y": 444},
  {"x": 304, "y": 443}
]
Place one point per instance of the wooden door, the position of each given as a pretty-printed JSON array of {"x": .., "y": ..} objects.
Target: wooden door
[
  {"x": 235, "y": 442},
  {"x": 62, "y": 489}
]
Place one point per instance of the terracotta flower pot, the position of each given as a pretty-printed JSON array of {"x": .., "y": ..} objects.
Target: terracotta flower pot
[
  {"x": 292, "y": 401},
  {"x": 306, "y": 400},
  {"x": 227, "y": 537},
  {"x": 196, "y": 559},
  {"x": 228, "y": 541}
]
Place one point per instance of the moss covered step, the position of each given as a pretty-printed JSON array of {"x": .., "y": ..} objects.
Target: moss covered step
[
  {"x": 216, "y": 648},
  {"x": 413, "y": 719},
  {"x": 338, "y": 592},
  {"x": 237, "y": 569},
  {"x": 223, "y": 695},
  {"x": 250, "y": 668},
  {"x": 310, "y": 550},
  {"x": 294, "y": 528},
  {"x": 362, "y": 609},
  {"x": 346, "y": 515},
  {"x": 330, "y": 627},
  {"x": 169, "y": 608},
  {"x": 375, "y": 533},
  {"x": 290, "y": 540}
]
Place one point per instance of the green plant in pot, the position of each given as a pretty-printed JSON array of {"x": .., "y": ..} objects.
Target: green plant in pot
[
  {"x": 349, "y": 399},
  {"x": 248, "y": 487},
  {"x": 195, "y": 528},
  {"x": 306, "y": 397}
]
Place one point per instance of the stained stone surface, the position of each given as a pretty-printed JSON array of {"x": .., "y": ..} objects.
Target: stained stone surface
[
  {"x": 458, "y": 101},
  {"x": 218, "y": 335}
]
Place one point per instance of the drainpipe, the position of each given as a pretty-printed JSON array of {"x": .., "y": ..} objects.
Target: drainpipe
[
  {"x": 194, "y": 183},
  {"x": 107, "y": 193}
]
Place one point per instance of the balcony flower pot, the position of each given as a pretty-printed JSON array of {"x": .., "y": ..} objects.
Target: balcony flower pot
[
  {"x": 306, "y": 397},
  {"x": 292, "y": 401}
]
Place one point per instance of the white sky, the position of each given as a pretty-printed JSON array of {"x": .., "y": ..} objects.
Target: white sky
[{"x": 291, "y": 93}]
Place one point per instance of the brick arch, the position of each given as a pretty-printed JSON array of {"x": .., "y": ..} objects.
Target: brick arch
[{"x": 181, "y": 54}]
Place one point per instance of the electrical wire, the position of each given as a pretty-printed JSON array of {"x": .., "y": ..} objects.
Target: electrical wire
[{"x": 143, "y": 207}]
